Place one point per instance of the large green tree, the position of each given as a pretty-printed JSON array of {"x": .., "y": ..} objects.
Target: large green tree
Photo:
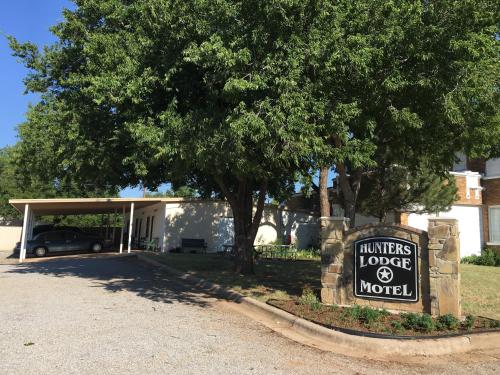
[
  {"x": 237, "y": 97},
  {"x": 200, "y": 93},
  {"x": 410, "y": 82}
]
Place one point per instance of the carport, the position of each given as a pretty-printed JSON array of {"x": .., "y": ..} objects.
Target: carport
[{"x": 78, "y": 206}]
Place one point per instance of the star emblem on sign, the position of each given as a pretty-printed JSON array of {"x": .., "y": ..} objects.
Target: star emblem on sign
[{"x": 384, "y": 274}]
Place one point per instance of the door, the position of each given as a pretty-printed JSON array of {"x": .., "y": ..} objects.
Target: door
[
  {"x": 55, "y": 241},
  {"x": 76, "y": 241}
]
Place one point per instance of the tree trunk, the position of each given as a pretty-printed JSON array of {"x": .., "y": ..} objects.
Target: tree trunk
[
  {"x": 246, "y": 222},
  {"x": 324, "y": 203},
  {"x": 350, "y": 188}
]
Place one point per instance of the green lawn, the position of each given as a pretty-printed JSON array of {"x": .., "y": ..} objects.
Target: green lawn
[
  {"x": 480, "y": 290},
  {"x": 283, "y": 279}
]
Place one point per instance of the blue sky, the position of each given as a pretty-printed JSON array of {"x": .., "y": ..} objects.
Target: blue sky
[{"x": 27, "y": 20}]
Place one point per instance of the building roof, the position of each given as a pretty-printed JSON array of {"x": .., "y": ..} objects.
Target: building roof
[{"x": 81, "y": 206}]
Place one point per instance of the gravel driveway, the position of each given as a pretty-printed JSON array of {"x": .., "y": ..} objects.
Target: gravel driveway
[{"x": 117, "y": 316}]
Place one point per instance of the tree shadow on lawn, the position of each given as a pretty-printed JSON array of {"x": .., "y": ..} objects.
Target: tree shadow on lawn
[
  {"x": 119, "y": 274},
  {"x": 271, "y": 275}
]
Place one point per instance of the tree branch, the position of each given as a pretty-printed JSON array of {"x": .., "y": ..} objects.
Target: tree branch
[{"x": 227, "y": 193}]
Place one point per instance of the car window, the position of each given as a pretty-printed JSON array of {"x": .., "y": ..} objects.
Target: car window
[
  {"x": 70, "y": 235},
  {"x": 40, "y": 237},
  {"x": 54, "y": 236}
]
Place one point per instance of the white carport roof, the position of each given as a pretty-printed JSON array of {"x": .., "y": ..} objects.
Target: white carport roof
[{"x": 82, "y": 206}]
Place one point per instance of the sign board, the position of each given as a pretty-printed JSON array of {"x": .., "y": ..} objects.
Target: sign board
[{"x": 386, "y": 268}]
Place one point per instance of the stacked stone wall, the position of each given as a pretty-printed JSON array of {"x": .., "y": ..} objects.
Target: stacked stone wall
[{"x": 438, "y": 264}]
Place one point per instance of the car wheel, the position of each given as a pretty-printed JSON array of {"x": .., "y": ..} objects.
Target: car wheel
[
  {"x": 96, "y": 247},
  {"x": 40, "y": 252}
]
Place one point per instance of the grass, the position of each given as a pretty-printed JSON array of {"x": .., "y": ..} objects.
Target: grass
[
  {"x": 480, "y": 290},
  {"x": 286, "y": 279}
]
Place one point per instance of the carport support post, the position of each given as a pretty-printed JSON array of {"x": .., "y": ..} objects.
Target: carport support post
[
  {"x": 130, "y": 227},
  {"x": 123, "y": 229},
  {"x": 114, "y": 227},
  {"x": 22, "y": 250}
]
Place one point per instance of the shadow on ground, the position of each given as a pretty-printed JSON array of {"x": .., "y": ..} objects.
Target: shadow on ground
[
  {"x": 118, "y": 274},
  {"x": 289, "y": 277}
]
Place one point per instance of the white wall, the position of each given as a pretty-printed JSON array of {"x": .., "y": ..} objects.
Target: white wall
[
  {"x": 207, "y": 220},
  {"x": 493, "y": 167},
  {"x": 302, "y": 227},
  {"x": 193, "y": 220},
  {"x": 469, "y": 223},
  {"x": 9, "y": 236}
]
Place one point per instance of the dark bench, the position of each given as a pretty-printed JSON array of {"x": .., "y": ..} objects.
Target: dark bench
[{"x": 193, "y": 244}]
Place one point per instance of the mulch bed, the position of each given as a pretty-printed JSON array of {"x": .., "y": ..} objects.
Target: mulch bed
[{"x": 342, "y": 319}]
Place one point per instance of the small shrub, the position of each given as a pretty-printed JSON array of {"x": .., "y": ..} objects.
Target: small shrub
[
  {"x": 353, "y": 312},
  {"x": 469, "y": 322},
  {"x": 310, "y": 299},
  {"x": 426, "y": 323},
  {"x": 493, "y": 324},
  {"x": 369, "y": 315},
  {"x": 471, "y": 259},
  {"x": 487, "y": 258},
  {"x": 366, "y": 314},
  {"x": 410, "y": 320},
  {"x": 447, "y": 322},
  {"x": 416, "y": 322},
  {"x": 397, "y": 327}
]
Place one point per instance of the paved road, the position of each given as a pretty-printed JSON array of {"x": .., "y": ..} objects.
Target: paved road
[{"x": 116, "y": 316}]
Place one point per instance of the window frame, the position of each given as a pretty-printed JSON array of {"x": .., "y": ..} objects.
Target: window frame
[{"x": 490, "y": 225}]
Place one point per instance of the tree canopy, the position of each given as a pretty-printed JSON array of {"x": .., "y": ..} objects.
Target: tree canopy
[
  {"x": 237, "y": 97},
  {"x": 17, "y": 182}
]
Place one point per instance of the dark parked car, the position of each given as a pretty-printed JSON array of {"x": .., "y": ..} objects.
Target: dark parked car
[
  {"x": 61, "y": 240},
  {"x": 50, "y": 227}
]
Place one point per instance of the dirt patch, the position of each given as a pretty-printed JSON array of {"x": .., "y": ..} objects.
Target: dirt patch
[{"x": 371, "y": 321}]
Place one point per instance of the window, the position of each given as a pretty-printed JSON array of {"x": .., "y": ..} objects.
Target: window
[
  {"x": 70, "y": 235},
  {"x": 54, "y": 236},
  {"x": 494, "y": 218},
  {"x": 151, "y": 229}
]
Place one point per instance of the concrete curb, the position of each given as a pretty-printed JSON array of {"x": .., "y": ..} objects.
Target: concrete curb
[{"x": 315, "y": 335}]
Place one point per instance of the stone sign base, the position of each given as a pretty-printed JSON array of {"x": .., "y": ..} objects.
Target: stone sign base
[{"x": 438, "y": 254}]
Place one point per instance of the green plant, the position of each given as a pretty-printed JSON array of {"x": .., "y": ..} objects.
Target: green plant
[
  {"x": 397, "y": 327},
  {"x": 309, "y": 298},
  {"x": 493, "y": 324},
  {"x": 469, "y": 322},
  {"x": 310, "y": 253},
  {"x": 416, "y": 322},
  {"x": 353, "y": 313},
  {"x": 447, "y": 322},
  {"x": 489, "y": 257},
  {"x": 471, "y": 259},
  {"x": 366, "y": 314}
]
